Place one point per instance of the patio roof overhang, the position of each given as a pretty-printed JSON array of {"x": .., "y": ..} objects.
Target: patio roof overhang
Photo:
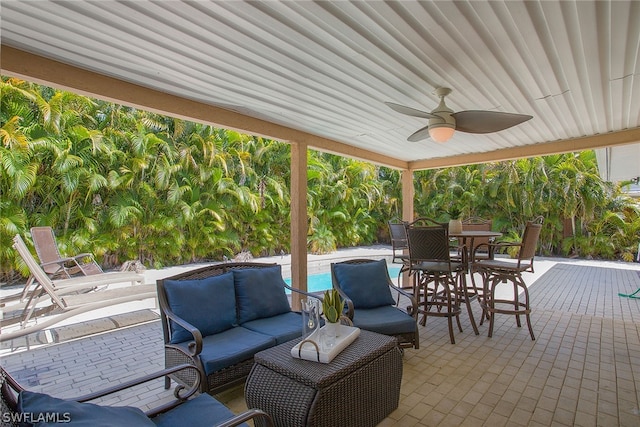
[{"x": 316, "y": 74}]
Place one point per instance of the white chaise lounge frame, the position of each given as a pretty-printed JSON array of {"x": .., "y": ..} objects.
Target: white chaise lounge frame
[{"x": 64, "y": 293}]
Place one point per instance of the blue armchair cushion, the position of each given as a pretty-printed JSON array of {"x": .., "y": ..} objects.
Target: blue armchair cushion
[
  {"x": 209, "y": 304},
  {"x": 366, "y": 284},
  {"x": 45, "y": 410},
  {"x": 204, "y": 410},
  {"x": 385, "y": 320},
  {"x": 260, "y": 293}
]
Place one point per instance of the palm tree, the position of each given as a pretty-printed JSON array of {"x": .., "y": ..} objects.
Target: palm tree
[{"x": 129, "y": 184}]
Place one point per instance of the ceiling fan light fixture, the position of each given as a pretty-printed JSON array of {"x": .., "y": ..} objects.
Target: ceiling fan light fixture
[
  {"x": 441, "y": 132},
  {"x": 443, "y": 121}
]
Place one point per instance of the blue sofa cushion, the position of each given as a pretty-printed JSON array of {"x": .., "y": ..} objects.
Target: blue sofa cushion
[
  {"x": 283, "y": 327},
  {"x": 202, "y": 411},
  {"x": 45, "y": 410},
  {"x": 232, "y": 346},
  {"x": 385, "y": 320},
  {"x": 366, "y": 284},
  {"x": 209, "y": 304},
  {"x": 260, "y": 293}
]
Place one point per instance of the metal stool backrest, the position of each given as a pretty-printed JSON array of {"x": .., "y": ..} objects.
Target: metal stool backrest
[
  {"x": 478, "y": 224},
  {"x": 430, "y": 243},
  {"x": 399, "y": 242},
  {"x": 530, "y": 240}
]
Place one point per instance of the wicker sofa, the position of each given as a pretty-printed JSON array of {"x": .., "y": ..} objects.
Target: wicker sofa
[{"x": 217, "y": 317}]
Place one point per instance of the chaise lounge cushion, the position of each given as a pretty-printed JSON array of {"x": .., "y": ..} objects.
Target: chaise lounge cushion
[
  {"x": 209, "y": 304},
  {"x": 232, "y": 346},
  {"x": 366, "y": 284},
  {"x": 283, "y": 327},
  {"x": 385, "y": 320},
  {"x": 204, "y": 410},
  {"x": 45, "y": 410},
  {"x": 260, "y": 293}
]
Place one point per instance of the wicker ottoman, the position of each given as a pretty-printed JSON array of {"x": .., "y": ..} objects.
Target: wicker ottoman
[{"x": 359, "y": 388}]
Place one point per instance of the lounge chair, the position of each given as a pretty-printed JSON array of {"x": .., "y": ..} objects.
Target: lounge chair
[
  {"x": 72, "y": 296},
  {"x": 53, "y": 263},
  {"x": 186, "y": 409}
]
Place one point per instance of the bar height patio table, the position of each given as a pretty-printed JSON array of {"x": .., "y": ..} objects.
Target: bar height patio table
[{"x": 471, "y": 235}]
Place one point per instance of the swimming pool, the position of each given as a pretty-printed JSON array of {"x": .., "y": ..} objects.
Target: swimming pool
[{"x": 322, "y": 281}]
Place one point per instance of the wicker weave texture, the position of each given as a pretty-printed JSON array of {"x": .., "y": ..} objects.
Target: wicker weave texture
[
  {"x": 360, "y": 387},
  {"x": 6, "y": 421},
  {"x": 173, "y": 358}
]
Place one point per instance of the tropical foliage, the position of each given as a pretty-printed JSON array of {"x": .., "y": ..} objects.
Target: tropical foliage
[
  {"x": 583, "y": 215},
  {"x": 128, "y": 184}
]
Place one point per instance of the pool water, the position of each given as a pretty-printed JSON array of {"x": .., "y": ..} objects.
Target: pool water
[{"x": 321, "y": 282}]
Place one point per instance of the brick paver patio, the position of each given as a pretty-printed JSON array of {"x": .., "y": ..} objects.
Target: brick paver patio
[{"x": 582, "y": 370}]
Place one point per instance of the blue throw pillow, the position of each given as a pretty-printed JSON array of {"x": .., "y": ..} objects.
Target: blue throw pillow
[
  {"x": 260, "y": 293},
  {"x": 209, "y": 304},
  {"x": 365, "y": 284},
  {"x": 40, "y": 409}
]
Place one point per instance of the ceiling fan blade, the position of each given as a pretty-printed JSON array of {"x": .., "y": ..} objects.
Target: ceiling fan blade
[
  {"x": 480, "y": 121},
  {"x": 409, "y": 111},
  {"x": 419, "y": 135}
]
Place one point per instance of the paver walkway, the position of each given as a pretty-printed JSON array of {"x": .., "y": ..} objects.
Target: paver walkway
[{"x": 583, "y": 369}]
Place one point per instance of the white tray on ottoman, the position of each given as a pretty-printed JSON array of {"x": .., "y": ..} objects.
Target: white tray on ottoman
[{"x": 314, "y": 350}]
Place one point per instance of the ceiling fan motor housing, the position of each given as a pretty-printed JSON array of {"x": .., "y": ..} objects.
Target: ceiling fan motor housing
[
  {"x": 445, "y": 115},
  {"x": 443, "y": 124}
]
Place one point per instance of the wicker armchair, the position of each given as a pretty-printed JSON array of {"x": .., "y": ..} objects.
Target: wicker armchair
[
  {"x": 18, "y": 404},
  {"x": 373, "y": 301},
  {"x": 494, "y": 272}
]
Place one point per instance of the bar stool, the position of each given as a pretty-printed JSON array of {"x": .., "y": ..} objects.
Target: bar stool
[
  {"x": 399, "y": 244},
  {"x": 475, "y": 223},
  {"x": 494, "y": 272},
  {"x": 439, "y": 283}
]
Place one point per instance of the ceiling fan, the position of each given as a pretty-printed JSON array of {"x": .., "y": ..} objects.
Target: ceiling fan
[{"x": 443, "y": 121}]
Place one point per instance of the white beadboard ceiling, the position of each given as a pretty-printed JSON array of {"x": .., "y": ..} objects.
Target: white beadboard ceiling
[{"x": 327, "y": 67}]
